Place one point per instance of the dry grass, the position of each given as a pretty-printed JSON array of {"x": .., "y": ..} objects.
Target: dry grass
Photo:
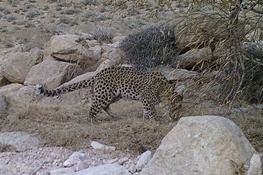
[{"x": 129, "y": 132}]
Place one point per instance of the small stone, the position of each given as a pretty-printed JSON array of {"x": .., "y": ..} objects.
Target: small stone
[
  {"x": 80, "y": 166},
  {"x": 255, "y": 165},
  {"x": 143, "y": 160},
  {"x": 97, "y": 145},
  {"x": 96, "y": 52},
  {"x": 74, "y": 159}
]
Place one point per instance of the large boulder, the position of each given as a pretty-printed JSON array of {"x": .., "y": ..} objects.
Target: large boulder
[
  {"x": 72, "y": 48},
  {"x": 51, "y": 73},
  {"x": 18, "y": 98},
  {"x": 201, "y": 145},
  {"x": 16, "y": 66}
]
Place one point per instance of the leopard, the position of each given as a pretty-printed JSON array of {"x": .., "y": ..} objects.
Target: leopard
[{"x": 117, "y": 82}]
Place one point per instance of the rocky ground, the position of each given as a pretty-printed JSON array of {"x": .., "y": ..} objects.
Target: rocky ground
[{"x": 52, "y": 136}]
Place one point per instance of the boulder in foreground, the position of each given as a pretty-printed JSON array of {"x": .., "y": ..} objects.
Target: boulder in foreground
[{"x": 201, "y": 145}]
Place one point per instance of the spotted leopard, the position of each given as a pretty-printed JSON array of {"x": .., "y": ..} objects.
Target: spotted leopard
[{"x": 114, "y": 83}]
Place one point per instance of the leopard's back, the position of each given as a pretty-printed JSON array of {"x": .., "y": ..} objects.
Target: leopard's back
[{"x": 129, "y": 82}]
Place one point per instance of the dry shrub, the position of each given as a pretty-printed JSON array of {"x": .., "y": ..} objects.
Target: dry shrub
[
  {"x": 150, "y": 47},
  {"x": 252, "y": 86},
  {"x": 221, "y": 26},
  {"x": 102, "y": 34}
]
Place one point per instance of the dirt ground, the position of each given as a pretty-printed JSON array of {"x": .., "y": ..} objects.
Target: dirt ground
[{"x": 129, "y": 133}]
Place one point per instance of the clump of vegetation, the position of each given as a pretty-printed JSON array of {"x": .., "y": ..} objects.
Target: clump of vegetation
[
  {"x": 102, "y": 34},
  {"x": 151, "y": 46},
  {"x": 14, "y": 2},
  {"x": 10, "y": 17},
  {"x": 72, "y": 11},
  {"x": 46, "y": 8},
  {"x": 222, "y": 28},
  {"x": 252, "y": 85},
  {"x": 28, "y": 6},
  {"x": 5, "y": 10},
  {"x": 89, "y": 2},
  {"x": 66, "y": 20},
  {"x": 32, "y": 13},
  {"x": 29, "y": 25}
]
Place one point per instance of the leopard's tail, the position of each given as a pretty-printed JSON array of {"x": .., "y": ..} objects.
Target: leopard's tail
[{"x": 39, "y": 88}]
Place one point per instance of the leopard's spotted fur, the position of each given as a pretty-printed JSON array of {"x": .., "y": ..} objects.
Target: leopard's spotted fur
[{"x": 114, "y": 83}]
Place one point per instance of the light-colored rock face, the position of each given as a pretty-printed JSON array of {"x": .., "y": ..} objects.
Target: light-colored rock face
[
  {"x": 37, "y": 55},
  {"x": 16, "y": 66},
  {"x": 71, "y": 48},
  {"x": 201, "y": 145},
  {"x": 51, "y": 73}
]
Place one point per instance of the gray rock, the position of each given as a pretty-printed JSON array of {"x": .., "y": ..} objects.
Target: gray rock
[
  {"x": 97, "y": 145},
  {"x": 16, "y": 66},
  {"x": 70, "y": 48},
  {"x": 80, "y": 166},
  {"x": 51, "y": 73},
  {"x": 19, "y": 140},
  {"x": 74, "y": 159},
  {"x": 143, "y": 160},
  {"x": 255, "y": 167},
  {"x": 37, "y": 55},
  {"x": 107, "y": 169},
  {"x": 96, "y": 52},
  {"x": 201, "y": 145}
]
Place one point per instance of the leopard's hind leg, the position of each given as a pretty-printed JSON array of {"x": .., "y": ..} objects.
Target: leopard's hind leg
[{"x": 101, "y": 102}]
